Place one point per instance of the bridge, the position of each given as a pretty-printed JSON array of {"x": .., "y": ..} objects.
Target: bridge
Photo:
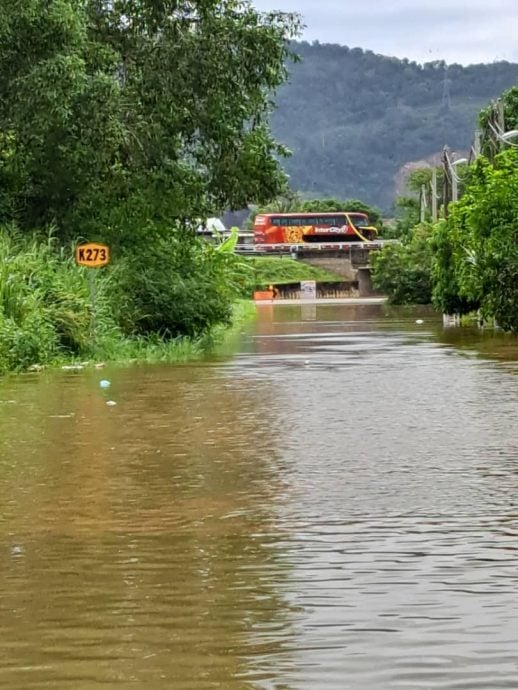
[
  {"x": 349, "y": 260},
  {"x": 245, "y": 246}
]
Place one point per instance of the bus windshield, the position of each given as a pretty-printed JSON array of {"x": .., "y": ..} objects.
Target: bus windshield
[{"x": 359, "y": 221}]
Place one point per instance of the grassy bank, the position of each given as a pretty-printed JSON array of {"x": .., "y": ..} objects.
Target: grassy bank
[
  {"x": 129, "y": 350},
  {"x": 154, "y": 349},
  {"x": 175, "y": 304},
  {"x": 283, "y": 271}
]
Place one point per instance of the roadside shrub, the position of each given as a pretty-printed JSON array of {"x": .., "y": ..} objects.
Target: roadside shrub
[
  {"x": 169, "y": 287},
  {"x": 33, "y": 341},
  {"x": 449, "y": 251},
  {"x": 175, "y": 286},
  {"x": 404, "y": 271},
  {"x": 476, "y": 248}
]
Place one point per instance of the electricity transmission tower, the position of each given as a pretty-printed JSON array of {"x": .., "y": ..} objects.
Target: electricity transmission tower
[{"x": 446, "y": 92}]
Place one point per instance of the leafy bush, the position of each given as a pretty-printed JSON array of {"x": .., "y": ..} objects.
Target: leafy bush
[
  {"x": 176, "y": 285},
  {"x": 30, "y": 341},
  {"x": 447, "y": 249},
  {"x": 171, "y": 286},
  {"x": 476, "y": 249},
  {"x": 403, "y": 271}
]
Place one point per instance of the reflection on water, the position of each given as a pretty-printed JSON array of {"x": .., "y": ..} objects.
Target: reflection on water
[{"x": 334, "y": 507}]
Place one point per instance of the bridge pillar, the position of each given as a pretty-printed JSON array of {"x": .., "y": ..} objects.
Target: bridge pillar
[
  {"x": 365, "y": 288},
  {"x": 353, "y": 269}
]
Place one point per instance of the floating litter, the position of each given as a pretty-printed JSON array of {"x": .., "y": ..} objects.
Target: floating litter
[
  {"x": 419, "y": 322},
  {"x": 104, "y": 383},
  {"x": 111, "y": 403}
]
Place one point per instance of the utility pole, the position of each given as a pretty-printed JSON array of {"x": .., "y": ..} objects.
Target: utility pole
[
  {"x": 496, "y": 124},
  {"x": 424, "y": 204},
  {"x": 477, "y": 145},
  {"x": 446, "y": 98},
  {"x": 454, "y": 184},
  {"x": 500, "y": 115},
  {"x": 433, "y": 184},
  {"x": 447, "y": 177}
]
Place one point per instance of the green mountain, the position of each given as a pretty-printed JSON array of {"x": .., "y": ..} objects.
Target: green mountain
[{"x": 353, "y": 118}]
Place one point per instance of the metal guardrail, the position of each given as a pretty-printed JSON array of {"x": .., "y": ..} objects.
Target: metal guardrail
[{"x": 310, "y": 248}]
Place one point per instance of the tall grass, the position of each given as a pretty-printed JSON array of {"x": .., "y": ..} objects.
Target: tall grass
[
  {"x": 46, "y": 312},
  {"x": 282, "y": 270}
]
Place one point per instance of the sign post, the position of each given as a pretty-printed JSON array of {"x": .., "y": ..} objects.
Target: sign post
[
  {"x": 92, "y": 255},
  {"x": 308, "y": 289}
]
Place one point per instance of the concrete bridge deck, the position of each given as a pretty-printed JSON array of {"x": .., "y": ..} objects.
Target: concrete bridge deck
[
  {"x": 349, "y": 260},
  {"x": 308, "y": 249}
]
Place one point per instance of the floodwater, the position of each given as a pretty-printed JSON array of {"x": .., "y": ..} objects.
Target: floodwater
[{"x": 333, "y": 506}]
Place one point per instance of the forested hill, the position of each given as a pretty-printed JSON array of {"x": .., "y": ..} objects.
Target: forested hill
[{"x": 353, "y": 118}]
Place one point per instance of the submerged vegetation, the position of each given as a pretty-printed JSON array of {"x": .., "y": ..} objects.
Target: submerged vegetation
[
  {"x": 476, "y": 248},
  {"x": 48, "y": 313}
]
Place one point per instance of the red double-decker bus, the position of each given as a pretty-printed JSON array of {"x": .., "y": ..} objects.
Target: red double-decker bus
[{"x": 299, "y": 228}]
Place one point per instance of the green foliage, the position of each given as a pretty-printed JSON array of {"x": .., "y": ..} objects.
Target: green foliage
[
  {"x": 476, "y": 250},
  {"x": 408, "y": 208},
  {"x": 229, "y": 244},
  {"x": 282, "y": 271},
  {"x": 403, "y": 271},
  {"x": 123, "y": 121},
  {"x": 45, "y": 308},
  {"x": 353, "y": 118},
  {"x": 122, "y": 113},
  {"x": 165, "y": 301},
  {"x": 176, "y": 285},
  {"x": 490, "y": 143},
  {"x": 407, "y": 217},
  {"x": 448, "y": 248}
]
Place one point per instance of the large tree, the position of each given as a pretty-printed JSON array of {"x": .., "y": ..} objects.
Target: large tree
[
  {"x": 118, "y": 114},
  {"x": 476, "y": 249}
]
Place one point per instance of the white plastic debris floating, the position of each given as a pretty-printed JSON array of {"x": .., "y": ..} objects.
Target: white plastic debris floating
[
  {"x": 105, "y": 383},
  {"x": 111, "y": 403}
]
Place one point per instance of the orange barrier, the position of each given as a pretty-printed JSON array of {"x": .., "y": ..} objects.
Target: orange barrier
[{"x": 263, "y": 294}]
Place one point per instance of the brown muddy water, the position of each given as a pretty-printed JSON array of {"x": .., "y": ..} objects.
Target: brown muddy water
[{"x": 333, "y": 506}]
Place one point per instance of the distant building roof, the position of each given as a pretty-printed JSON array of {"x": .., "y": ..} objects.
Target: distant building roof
[{"x": 210, "y": 226}]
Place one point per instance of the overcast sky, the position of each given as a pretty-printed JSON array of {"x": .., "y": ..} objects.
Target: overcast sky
[{"x": 464, "y": 31}]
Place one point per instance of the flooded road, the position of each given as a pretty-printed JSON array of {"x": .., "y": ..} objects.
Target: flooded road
[{"x": 333, "y": 507}]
